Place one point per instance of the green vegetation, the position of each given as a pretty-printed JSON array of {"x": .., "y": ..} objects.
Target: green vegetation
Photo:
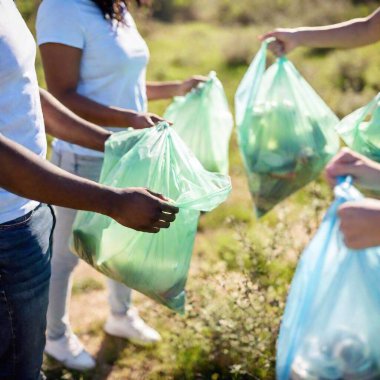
[
  {"x": 86, "y": 284},
  {"x": 241, "y": 267}
]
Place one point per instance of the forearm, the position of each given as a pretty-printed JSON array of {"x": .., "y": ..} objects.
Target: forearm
[
  {"x": 163, "y": 90},
  {"x": 349, "y": 34},
  {"x": 60, "y": 122},
  {"x": 95, "y": 112},
  {"x": 24, "y": 173}
]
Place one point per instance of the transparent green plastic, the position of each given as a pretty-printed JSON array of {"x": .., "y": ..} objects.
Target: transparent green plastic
[
  {"x": 203, "y": 121},
  {"x": 361, "y": 129},
  {"x": 285, "y": 131},
  {"x": 156, "y": 265}
]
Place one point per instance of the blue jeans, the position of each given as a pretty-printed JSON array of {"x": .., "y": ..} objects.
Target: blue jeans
[{"x": 24, "y": 287}]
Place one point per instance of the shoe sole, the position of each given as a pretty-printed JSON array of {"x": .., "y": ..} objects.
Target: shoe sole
[
  {"x": 63, "y": 364},
  {"x": 138, "y": 342}
]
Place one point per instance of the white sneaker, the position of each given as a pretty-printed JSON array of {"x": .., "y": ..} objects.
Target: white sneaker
[
  {"x": 70, "y": 352},
  {"x": 132, "y": 327}
]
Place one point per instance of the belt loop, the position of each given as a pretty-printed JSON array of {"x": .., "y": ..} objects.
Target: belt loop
[
  {"x": 59, "y": 154},
  {"x": 76, "y": 164}
]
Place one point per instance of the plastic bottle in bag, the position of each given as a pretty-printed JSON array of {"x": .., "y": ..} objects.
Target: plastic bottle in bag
[
  {"x": 331, "y": 323},
  {"x": 286, "y": 132}
]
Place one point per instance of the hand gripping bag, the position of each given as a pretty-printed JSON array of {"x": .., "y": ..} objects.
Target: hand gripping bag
[
  {"x": 285, "y": 131},
  {"x": 331, "y": 325},
  {"x": 154, "y": 264},
  {"x": 361, "y": 129},
  {"x": 203, "y": 121}
]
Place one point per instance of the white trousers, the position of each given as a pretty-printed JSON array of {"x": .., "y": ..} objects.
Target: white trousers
[{"x": 64, "y": 262}]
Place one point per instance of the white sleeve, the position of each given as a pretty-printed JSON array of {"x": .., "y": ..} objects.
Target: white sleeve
[{"x": 58, "y": 21}]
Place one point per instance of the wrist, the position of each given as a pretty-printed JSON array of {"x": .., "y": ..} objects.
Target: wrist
[
  {"x": 108, "y": 201},
  {"x": 299, "y": 37},
  {"x": 101, "y": 139},
  {"x": 130, "y": 118},
  {"x": 181, "y": 88},
  {"x": 122, "y": 117}
]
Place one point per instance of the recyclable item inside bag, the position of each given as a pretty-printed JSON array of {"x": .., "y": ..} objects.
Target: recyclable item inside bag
[
  {"x": 331, "y": 325},
  {"x": 203, "y": 121},
  {"x": 154, "y": 264},
  {"x": 361, "y": 129},
  {"x": 285, "y": 131}
]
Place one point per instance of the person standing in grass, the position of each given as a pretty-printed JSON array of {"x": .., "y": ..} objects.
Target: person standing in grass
[
  {"x": 348, "y": 34},
  {"x": 95, "y": 63},
  {"x": 28, "y": 183}
]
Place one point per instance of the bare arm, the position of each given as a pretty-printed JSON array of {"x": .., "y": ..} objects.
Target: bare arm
[
  {"x": 63, "y": 84},
  {"x": 163, "y": 90},
  {"x": 62, "y": 123},
  {"x": 166, "y": 90},
  {"x": 28, "y": 175},
  {"x": 348, "y": 34}
]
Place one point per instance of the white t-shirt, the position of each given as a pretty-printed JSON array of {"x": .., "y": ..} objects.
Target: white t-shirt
[
  {"x": 21, "y": 117},
  {"x": 114, "y": 58}
]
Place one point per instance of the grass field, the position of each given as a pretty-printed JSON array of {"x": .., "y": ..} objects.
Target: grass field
[{"x": 241, "y": 268}]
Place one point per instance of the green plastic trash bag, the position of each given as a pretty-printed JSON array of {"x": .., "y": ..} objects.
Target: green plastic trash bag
[
  {"x": 203, "y": 121},
  {"x": 285, "y": 131},
  {"x": 154, "y": 264},
  {"x": 361, "y": 129}
]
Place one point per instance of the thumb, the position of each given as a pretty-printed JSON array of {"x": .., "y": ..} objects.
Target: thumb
[
  {"x": 347, "y": 156},
  {"x": 339, "y": 169},
  {"x": 158, "y": 195},
  {"x": 266, "y": 35},
  {"x": 149, "y": 121},
  {"x": 158, "y": 119}
]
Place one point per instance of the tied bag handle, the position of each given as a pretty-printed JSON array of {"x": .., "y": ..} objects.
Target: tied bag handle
[
  {"x": 342, "y": 129},
  {"x": 344, "y": 189},
  {"x": 344, "y": 180},
  {"x": 367, "y": 109},
  {"x": 251, "y": 81},
  {"x": 196, "y": 91},
  {"x": 202, "y": 87},
  {"x": 343, "y": 184},
  {"x": 216, "y": 186}
]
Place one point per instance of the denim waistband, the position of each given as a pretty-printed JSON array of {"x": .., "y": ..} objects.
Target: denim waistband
[
  {"x": 20, "y": 219},
  {"x": 75, "y": 156}
]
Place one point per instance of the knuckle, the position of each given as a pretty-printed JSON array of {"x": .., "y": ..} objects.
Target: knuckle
[
  {"x": 347, "y": 242},
  {"x": 342, "y": 213},
  {"x": 346, "y": 150},
  {"x": 352, "y": 243}
]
